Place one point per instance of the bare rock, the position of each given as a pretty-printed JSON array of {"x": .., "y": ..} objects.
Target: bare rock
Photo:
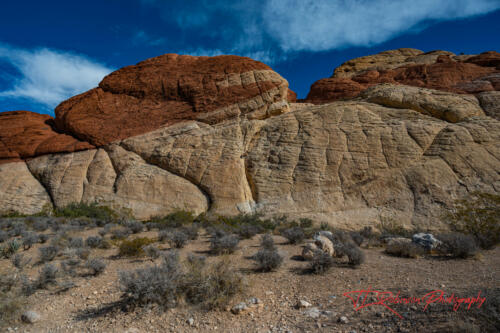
[
  {"x": 439, "y": 104},
  {"x": 324, "y": 244},
  {"x": 30, "y": 317},
  {"x": 172, "y": 88}
]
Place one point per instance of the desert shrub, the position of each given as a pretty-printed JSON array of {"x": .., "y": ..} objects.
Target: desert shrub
[
  {"x": 268, "y": 260},
  {"x": 457, "y": 245},
  {"x": 47, "y": 276},
  {"x": 325, "y": 226},
  {"x": 95, "y": 266},
  {"x": 213, "y": 285},
  {"x": 354, "y": 255},
  {"x": 40, "y": 225},
  {"x": 233, "y": 223},
  {"x": 120, "y": 233},
  {"x": 224, "y": 244},
  {"x": 11, "y": 299},
  {"x": 152, "y": 251},
  {"x": 357, "y": 238},
  {"x": 10, "y": 248},
  {"x": 305, "y": 223},
  {"x": 267, "y": 242},
  {"x": 134, "y": 247},
  {"x": 151, "y": 225},
  {"x": 367, "y": 232},
  {"x": 60, "y": 239},
  {"x": 389, "y": 227},
  {"x": 191, "y": 230},
  {"x": 294, "y": 235},
  {"x": 477, "y": 215},
  {"x": 75, "y": 242},
  {"x": 29, "y": 239},
  {"x": 93, "y": 241},
  {"x": 321, "y": 263},
  {"x": 18, "y": 228},
  {"x": 408, "y": 250},
  {"x": 19, "y": 261},
  {"x": 48, "y": 253},
  {"x": 70, "y": 265},
  {"x": 154, "y": 285},
  {"x": 43, "y": 238},
  {"x": 82, "y": 252},
  {"x": 3, "y": 236},
  {"x": 174, "y": 220},
  {"x": 134, "y": 226},
  {"x": 93, "y": 211},
  {"x": 177, "y": 239},
  {"x": 247, "y": 231}
]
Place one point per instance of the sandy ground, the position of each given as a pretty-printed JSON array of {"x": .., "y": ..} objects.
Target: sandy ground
[{"x": 91, "y": 305}]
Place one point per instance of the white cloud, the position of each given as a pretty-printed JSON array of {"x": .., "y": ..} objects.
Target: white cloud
[
  {"x": 285, "y": 26},
  {"x": 320, "y": 25},
  {"x": 50, "y": 76}
]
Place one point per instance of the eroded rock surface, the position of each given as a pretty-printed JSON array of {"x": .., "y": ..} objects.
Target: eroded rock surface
[
  {"x": 25, "y": 134},
  {"x": 169, "y": 89},
  {"x": 441, "y": 70}
]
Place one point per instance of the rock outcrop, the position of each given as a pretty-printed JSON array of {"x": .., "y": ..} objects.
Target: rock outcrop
[
  {"x": 217, "y": 135},
  {"x": 439, "y": 70},
  {"x": 169, "y": 89},
  {"x": 25, "y": 134}
]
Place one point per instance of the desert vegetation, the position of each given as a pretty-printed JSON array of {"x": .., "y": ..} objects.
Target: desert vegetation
[{"x": 53, "y": 252}]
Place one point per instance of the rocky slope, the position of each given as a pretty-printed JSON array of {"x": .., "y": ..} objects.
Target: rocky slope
[
  {"x": 441, "y": 70},
  {"x": 218, "y": 135}
]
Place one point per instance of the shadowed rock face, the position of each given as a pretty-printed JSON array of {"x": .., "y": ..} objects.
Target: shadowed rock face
[
  {"x": 215, "y": 135},
  {"x": 25, "y": 134},
  {"x": 439, "y": 70},
  {"x": 171, "y": 88}
]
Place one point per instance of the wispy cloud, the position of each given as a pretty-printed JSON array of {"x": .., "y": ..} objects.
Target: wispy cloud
[
  {"x": 281, "y": 27},
  {"x": 319, "y": 25},
  {"x": 142, "y": 37},
  {"x": 48, "y": 76}
]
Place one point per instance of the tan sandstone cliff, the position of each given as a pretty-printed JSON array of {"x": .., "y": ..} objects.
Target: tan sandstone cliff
[{"x": 217, "y": 135}]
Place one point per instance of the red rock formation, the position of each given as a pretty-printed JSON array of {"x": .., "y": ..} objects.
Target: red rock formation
[
  {"x": 474, "y": 75},
  {"x": 167, "y": 89},
  {"x": 291, "y": 96},
  {"x": 25, "y": 134}
]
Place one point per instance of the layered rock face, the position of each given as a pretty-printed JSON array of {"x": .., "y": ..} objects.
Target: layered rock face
[
  {"x": 25, "y": 134},
  {"x": 396, "y": 151},
  {"x": 441, "y": 70},
  {"x": 171, "y": 88}
]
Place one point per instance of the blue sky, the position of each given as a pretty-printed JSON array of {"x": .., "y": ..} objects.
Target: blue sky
[{"x": 52, "y": 50}]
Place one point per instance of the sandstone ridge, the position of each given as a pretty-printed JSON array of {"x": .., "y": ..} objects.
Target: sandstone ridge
[{"x": 218, "y": 135}]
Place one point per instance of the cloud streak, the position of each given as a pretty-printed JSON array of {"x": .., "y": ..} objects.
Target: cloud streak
[
  {"x": 48, "y": 76},
  {"x": 282, "y": 27},
  {"x": 320, "y": 25}
]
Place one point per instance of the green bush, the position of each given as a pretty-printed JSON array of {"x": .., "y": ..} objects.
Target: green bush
[
  {"x": 134, "y": 247},
  {"x": 93, "y": 211},
  {"x": 174, "y": 220},
  {"x": 477, "y": 215}
]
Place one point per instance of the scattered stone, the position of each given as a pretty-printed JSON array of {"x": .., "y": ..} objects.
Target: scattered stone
[
  {"x": 303, "y": 304},
  {"x": 30, "y": 317},
  {"x": 313, "y": 313},
  {"x": 324, "y": 244},
  {"x": 323, "y": 233},
  {"x": 239, "y": 308},
  {"x": 427, "y": 241},
  {"x": 190, "y": 322},
  {"x": 343, "y": 320}
]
